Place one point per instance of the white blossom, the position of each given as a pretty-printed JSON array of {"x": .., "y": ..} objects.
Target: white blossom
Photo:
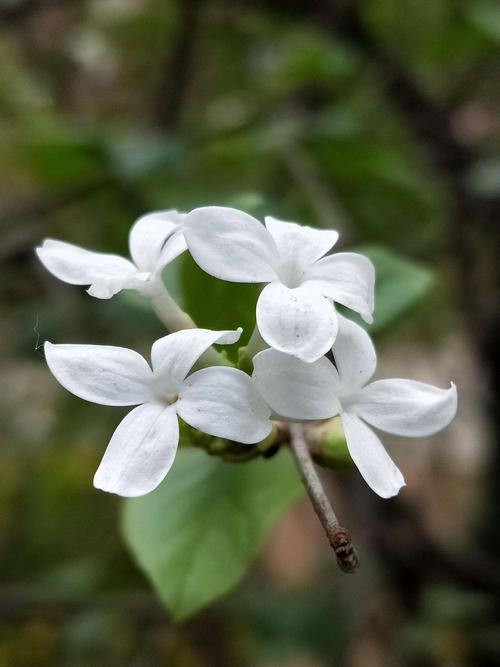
[
  {"x": 220, "y": 401},
  {"x": 320, "y": 390},
  {"x": 295, "y": 311},
  {"x": 154, "y": 241}
]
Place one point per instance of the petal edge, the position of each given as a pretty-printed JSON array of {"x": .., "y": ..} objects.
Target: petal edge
[
  {"x": 296, "y": 321},
  {"x": 102, "y": 374},
  {"x": 369, "y": 454},
  {"x": 140, "y": 452},
  {"x": 231, "y": 245},
  {"x": 406, "y": 407}
]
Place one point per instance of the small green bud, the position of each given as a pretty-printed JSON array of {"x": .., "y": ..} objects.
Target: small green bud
[{"x": 328, "y": 446}]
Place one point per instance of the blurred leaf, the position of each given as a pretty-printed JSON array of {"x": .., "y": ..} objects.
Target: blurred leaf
[
  {"x": 410, "y": 27},
  {"x": 198, "y": 533},
  {"x": 378, "y": 179},
  {"x": 78, "y": 576},
  {"x": 212, "y": 303},
  {"x": 360, "y": 158},
  {"x": 306, "y": 57},
  {"x": 443, "y": 603},
  {"x": 484, "y": 177},
  {"x": 63, "y": 161},
  {"x": 135, "y": 156},
  {"x": 485, "y": 16},
  {"x": 87, "y": 634},
  {"x": 400, "y": 284},
  {"x": 311, "y": 618}
]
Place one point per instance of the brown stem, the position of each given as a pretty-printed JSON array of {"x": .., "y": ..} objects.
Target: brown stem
[{"x": 339, "y": 538}]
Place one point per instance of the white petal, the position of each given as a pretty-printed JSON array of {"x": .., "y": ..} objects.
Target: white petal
[
  {"x": 141, "y": 451},
  {"x": 148, "y": 236},
  {"x": 354, "y": 355},
  {"x": 174, "y": 246},
  {"x": 298, "y": 243},
  {"x": 294, "y": 388},
  {"x": 105, "y": 288},
  {"x": 78, "y": 266},
  {"x": 230, "y": 244},
  {"x": 101, "y": 373},
  {"x": 296, "y": 321},
  {"x": 406, "y": 407},
  {"x": 173, "y": 356},
  {"x": 224, "y": 402},
  {"x": 373, "y": 462},
  {"x": 347, "y": 278}
]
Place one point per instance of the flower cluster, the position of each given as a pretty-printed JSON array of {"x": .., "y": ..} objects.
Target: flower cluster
[{"x": 296, "y": 326}]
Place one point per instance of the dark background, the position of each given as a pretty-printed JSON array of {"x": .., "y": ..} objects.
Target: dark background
[{"x": 377, "y": 117}]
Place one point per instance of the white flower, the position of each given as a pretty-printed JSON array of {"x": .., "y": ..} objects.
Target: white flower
[
  {"x": 154, "y": 241},
  {"x": 298, "y": 390},
  {"x": 220, "y": 401},
  {"x": 294, "y": 311}
]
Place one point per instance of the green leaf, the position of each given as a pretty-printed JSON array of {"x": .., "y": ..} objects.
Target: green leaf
[
  {"x": 63, "y": 161},
  {"x": 212, "y": 303},
  {"x": 485, "y": 16},
  {"x": 400, "y": 284},
  {"x": 197, "y": 534}
]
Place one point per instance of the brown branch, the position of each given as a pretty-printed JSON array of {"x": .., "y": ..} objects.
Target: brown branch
[{"x": 339, "y": 538}]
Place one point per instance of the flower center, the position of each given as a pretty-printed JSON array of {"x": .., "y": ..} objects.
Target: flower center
[
  {"x": 166, "y": 397},
  {"x": 171, "y": 398},
  {"x": 290, "y": 273}
]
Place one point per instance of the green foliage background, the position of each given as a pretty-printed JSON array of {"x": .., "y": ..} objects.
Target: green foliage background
[{"x": 109, "y": 109}]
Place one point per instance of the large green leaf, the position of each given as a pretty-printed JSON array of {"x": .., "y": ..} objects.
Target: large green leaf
[
  {"x": 198, "y": 533},
  {"x": 400, "y": 284}
]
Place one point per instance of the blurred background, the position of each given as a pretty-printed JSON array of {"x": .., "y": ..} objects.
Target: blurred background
[{"x": 376, "y": 117}]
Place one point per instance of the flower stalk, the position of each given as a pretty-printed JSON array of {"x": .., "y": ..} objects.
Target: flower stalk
[
  {"x": 175, "y": 319},
  {"x": 339, "y": 537},
  {"x": 168, "y": 311}
]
